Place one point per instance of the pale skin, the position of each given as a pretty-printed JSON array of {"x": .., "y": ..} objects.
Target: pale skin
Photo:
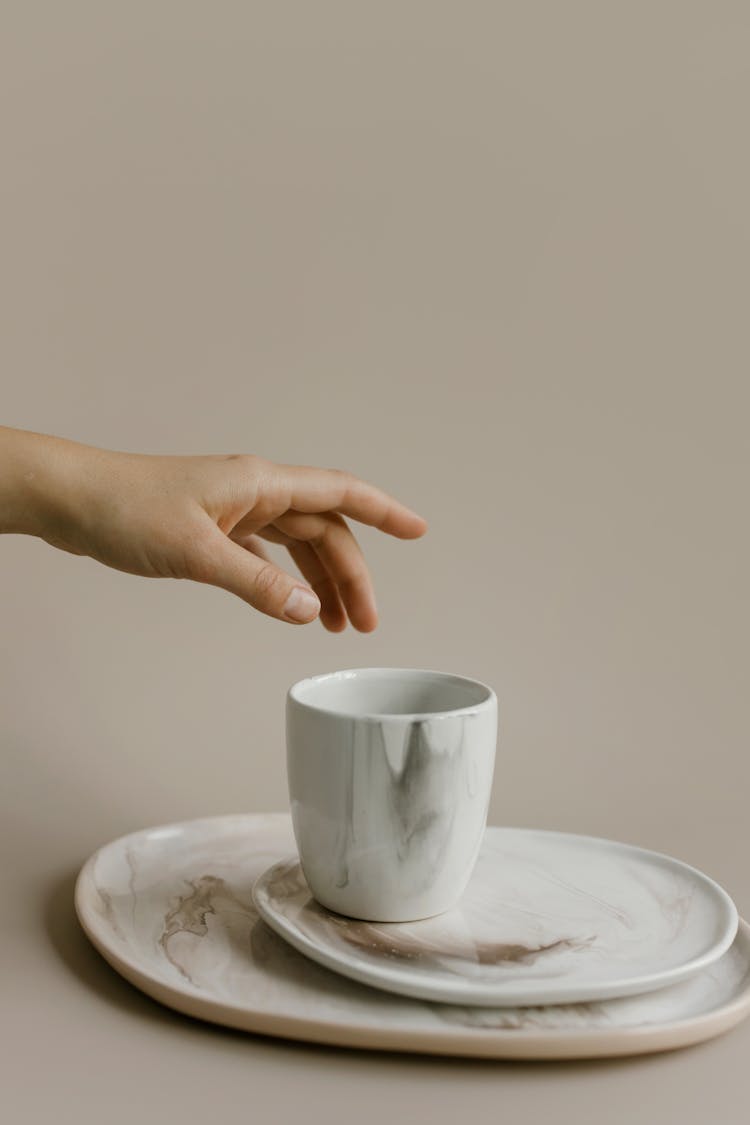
[{"x": 206, "y": 518}]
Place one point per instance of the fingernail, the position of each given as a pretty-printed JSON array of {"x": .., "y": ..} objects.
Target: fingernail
[{"x": 301, "y": 605}]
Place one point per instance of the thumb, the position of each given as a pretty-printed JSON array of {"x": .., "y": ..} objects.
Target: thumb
[{"x": 258, "y": 582}]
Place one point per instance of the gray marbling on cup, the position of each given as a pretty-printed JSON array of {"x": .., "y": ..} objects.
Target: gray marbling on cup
[{"x": 390, "y": 771}]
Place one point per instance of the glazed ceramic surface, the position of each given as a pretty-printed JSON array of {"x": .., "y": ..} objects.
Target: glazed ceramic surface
[
  {"x": 390, "y": 771},
  {"x": 547, "y": 918},
  {"x": 170, "y": 908}
]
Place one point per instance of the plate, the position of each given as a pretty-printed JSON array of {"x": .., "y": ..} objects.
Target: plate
[
  {"x": 170, "y": 909},
  {"x": 547, "y": 918}
]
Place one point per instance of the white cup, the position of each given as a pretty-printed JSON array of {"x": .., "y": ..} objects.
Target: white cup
[{"x": 390, "y": 771}]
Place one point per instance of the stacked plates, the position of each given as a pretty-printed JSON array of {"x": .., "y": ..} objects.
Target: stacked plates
[{"x": 563, "y": 946}]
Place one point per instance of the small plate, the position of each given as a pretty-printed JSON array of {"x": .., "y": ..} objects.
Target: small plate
[
  {"x": 547, "y": 918},
  {"x": 170, "y": 909}
]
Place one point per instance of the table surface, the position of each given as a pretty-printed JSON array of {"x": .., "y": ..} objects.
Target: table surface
[{"x": 492, "y": 257}]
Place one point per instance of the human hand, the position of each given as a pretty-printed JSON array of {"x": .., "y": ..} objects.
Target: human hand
[{"x": 206, "y": 518}]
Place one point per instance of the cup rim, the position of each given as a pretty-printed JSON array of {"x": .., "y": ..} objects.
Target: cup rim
[{"x": 490, "y": 699}]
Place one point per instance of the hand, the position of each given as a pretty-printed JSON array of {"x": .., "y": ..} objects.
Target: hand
[{"x": 206, "y": 518}]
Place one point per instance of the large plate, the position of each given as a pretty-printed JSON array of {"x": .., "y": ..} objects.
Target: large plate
[{"x": 171, "y": 910}]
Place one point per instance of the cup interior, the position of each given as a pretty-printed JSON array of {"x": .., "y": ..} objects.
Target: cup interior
[{"x": 378, "y": 692}]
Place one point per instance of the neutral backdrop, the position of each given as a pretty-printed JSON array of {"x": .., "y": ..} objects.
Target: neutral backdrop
[{"x": 493, "y": 257}]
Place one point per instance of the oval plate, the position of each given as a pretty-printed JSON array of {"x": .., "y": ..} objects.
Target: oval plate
[{"x": 547, "y": 918}]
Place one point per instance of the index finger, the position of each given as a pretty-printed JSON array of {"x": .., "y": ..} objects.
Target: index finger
[{"x": 331, "y": 490}]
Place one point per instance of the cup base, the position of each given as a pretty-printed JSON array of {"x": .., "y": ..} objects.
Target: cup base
[{"x": 380, "y": 915}]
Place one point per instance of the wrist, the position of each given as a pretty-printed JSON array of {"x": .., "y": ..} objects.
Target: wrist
[{"x": 37, "y": 483}]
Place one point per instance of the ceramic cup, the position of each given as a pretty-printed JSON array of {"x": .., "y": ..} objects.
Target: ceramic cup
[{"x": 390, "y": 771}]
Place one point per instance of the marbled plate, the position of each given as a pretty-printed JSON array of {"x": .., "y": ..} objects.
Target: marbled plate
[
  {"x": 171, "y": 910},
  {"x": 547, "y": 918}
]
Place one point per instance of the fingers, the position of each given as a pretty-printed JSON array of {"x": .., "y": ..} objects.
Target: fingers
[
  {"x": 303, "y": 507},
  {"x": 254, "y": 544},
  {"x": 329, "y": 490},
  {"x": 332, "y": 612},
  {"x": 340, "y": 560},
  {"x": 221, "y": 562}
]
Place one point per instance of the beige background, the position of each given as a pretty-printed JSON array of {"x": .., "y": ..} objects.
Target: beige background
[{"x": 493, "y": 257}]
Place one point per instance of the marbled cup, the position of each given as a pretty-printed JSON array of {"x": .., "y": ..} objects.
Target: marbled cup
[{"x": 390, "y": 771}]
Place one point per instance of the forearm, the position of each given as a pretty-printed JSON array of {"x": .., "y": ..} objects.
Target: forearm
[{"x": 36, "y": 482}]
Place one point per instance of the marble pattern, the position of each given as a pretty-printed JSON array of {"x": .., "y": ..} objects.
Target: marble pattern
[{"x": 171, "y": 909}]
